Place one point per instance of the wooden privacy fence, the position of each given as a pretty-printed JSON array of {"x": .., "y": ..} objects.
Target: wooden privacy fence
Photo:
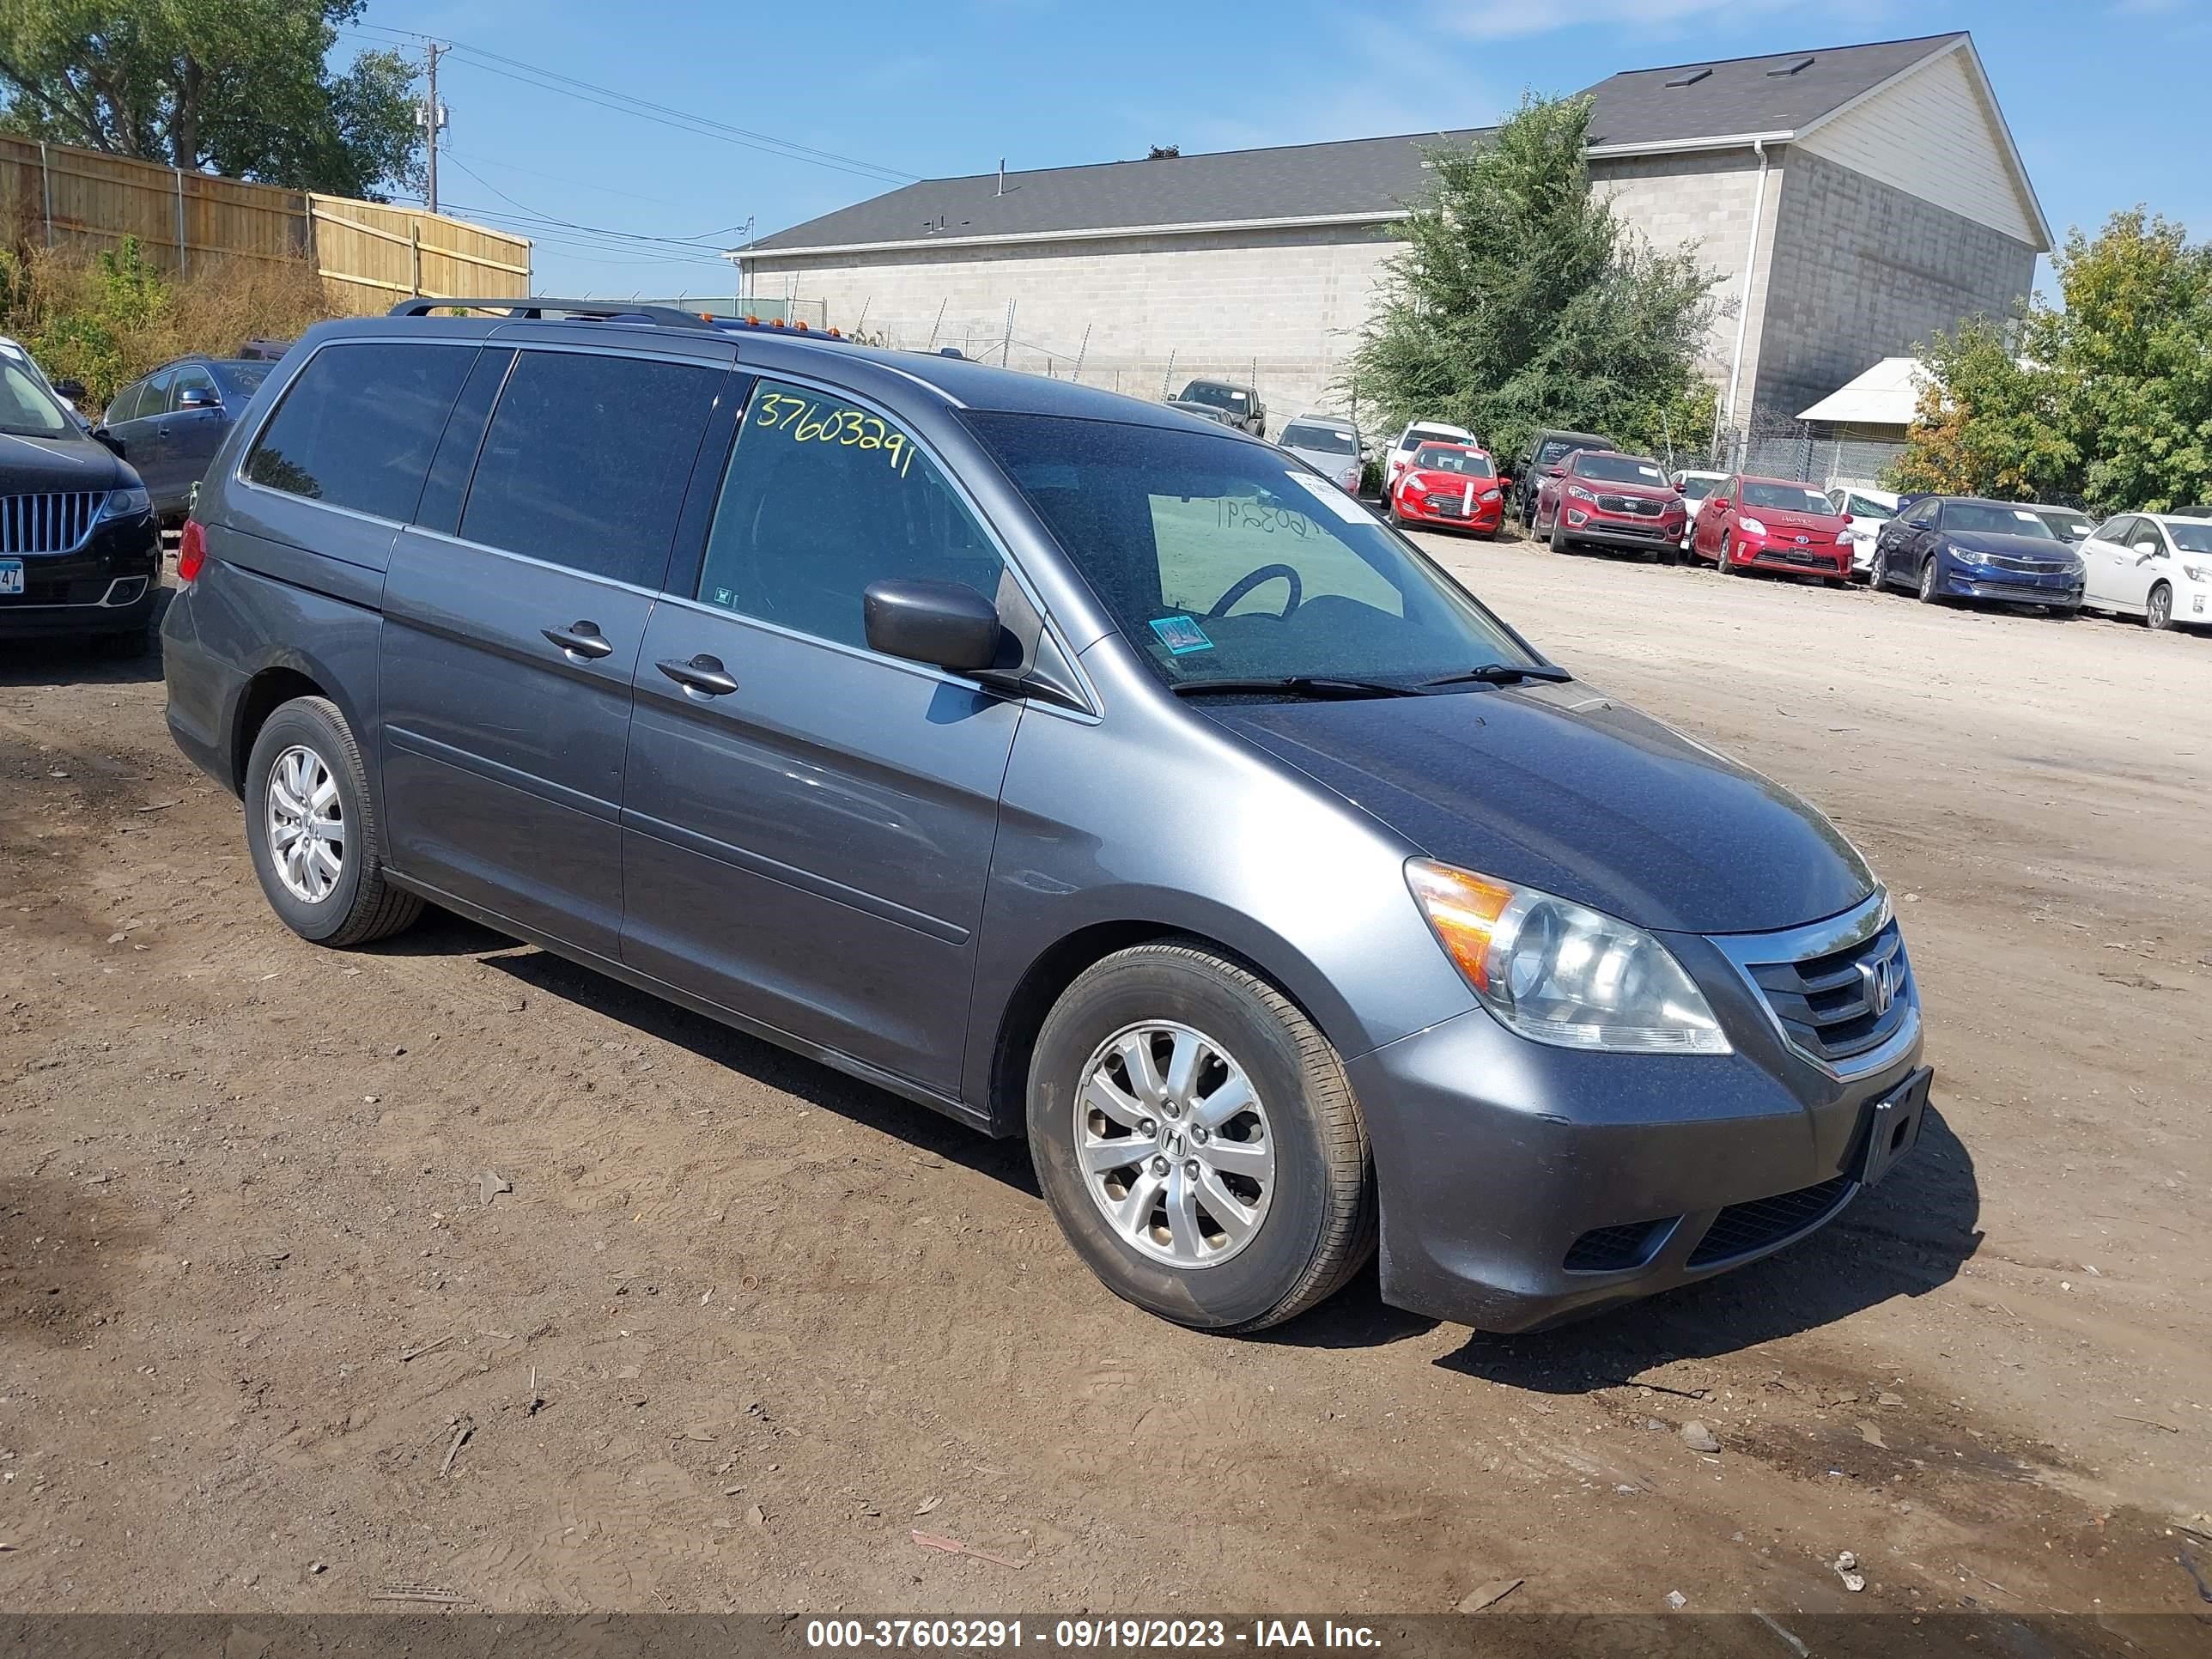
[{"x": 369, "y": 255}]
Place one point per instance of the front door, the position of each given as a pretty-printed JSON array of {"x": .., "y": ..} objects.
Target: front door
[
  {"x": 191, "y": 436},
  {"x": 509, "y": 643},
  {"x": 145, "y": 440},
  {"x": 808, "y": 825}
]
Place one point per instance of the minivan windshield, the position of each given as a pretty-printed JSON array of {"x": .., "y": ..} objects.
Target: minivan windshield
[
  {"x": 1988, "y": 518},
  {"x": 27, "y": 408},
  {"x": 1220, "y": 560},
  {"x": 1319, "y": 440}
]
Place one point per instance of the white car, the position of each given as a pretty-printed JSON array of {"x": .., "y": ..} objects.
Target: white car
[
  {"x": 1867, "y": 510},
  {"x": 1329, "y": 446},
  {"x": 1416, "y": 433},
  {"x": 1695, "y": 487},
  {"x": 2157, "y": 566}
]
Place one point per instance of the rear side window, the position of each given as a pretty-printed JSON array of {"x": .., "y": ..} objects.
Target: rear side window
[
  {"x": 587, "y": 459},
  {"x": 357, "y": 427},
  {"x": 822, "y": 498}
]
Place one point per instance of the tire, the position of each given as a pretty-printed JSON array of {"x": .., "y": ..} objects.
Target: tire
[
  {"x": 358, "y": 904},
  {"x": 1926, "y": 588},
  {"x": 1317, "y": 1207},
  {"x": 1722, "y": 562},
  {"x": 1560, "y": 544},
  {"x": 1878, "y": 572},
  {"x": 2158, "y": 609}
]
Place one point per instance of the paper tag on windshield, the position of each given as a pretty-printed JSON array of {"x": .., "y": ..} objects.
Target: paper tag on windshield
[
  {"x": 2023, "y": 515},
  {"x": 1333, "y": 499}
]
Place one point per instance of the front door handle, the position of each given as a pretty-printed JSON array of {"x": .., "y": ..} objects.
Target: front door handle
[
  {"x": 582, "y": 641},
  {"x": 702, "y": 673}
]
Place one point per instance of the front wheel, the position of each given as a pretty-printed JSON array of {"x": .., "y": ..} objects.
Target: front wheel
[
  {"x": 1197, "y": 1140},
  {"x": 1878, "y": 572},
  {"x": 1725, "y": 565},
  {"x": 1559, "y": 542},
  {"x": 310, "y": 831},
  {"x": 1927, "y": 595},
  {"x": 2157, "y": 613}
]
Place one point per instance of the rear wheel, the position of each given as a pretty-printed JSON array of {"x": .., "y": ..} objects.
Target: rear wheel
[
  {"x": 1197, "y": 1140},
  {"x": 310, "y": 831},
  {"x": 2158, "y": 612}
]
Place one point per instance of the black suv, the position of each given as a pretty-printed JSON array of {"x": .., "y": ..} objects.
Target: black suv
[
  {"x": 80, "y": 554},
  {"x": 1544, "y": 447}
]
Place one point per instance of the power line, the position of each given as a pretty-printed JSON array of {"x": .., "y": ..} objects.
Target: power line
[
  {"x": 527, "y": 212},
  {"x": 666, "y": 115}
]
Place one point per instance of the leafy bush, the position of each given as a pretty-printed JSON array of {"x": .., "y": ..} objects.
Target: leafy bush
[{"x": 106, "y": 319}]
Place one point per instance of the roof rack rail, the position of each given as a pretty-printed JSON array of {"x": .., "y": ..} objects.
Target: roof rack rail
[{"x": 534, "y": 309}]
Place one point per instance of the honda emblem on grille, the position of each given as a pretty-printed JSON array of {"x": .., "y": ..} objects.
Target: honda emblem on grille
[{"x": 1880, "y": 981}]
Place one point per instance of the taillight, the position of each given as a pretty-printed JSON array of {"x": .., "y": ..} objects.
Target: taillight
[{"x": 191, "y": 552}]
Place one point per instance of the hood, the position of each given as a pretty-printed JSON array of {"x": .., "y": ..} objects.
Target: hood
[
  {"x": 1560, "y": 789},
  {"x": 1643, "y": 492},
  {"x": 2013, "y": 547},
  {"x": 31, "y": 466},
  {"x": 1322, "y": 461},
  {"x": 1424, "y": 479}
]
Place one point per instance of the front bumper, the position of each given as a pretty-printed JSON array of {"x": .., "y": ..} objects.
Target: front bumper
[
  {"x": 1955, "y": 581},
  {"x": 1608, "y": 530},
  {"x": 1500, "y": 1162},
  {"x": 1486, "y": 516},
  {"x": 108, "y": 586},
  {"x": 1767, "y": 553}
]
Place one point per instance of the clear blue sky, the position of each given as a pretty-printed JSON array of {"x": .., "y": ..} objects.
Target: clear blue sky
[{"x": 2104, "y": 97}]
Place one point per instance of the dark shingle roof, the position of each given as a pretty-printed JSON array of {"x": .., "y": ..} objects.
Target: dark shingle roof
[{"x": 1354, "y": 177}]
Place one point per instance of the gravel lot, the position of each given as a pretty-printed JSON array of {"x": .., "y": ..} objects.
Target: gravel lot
[{"x": 726, "y": 1329}]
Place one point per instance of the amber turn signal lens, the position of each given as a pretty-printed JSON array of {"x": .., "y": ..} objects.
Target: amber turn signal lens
[{"x": 1464, "y": 910}]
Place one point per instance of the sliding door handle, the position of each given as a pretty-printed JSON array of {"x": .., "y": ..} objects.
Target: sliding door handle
[{"x": 702, "y": 673}]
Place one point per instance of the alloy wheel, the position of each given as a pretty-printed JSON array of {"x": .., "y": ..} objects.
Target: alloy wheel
[
  {"x": 1928, "y": 581},
  {"x": 1172, "y": 1143},
  {"x": 306, "y": 825},
  {"x": 2160, "y": 610}
]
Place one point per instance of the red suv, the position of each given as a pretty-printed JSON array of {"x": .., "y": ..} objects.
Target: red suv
[
  {"x": 1603, "y": 497},
  {"x": 1772, "y": 524},
  {"x": 1449, "y": 484}
]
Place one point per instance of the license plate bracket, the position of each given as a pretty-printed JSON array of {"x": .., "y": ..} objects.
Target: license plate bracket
[{"x": 1894, "y": 1126}]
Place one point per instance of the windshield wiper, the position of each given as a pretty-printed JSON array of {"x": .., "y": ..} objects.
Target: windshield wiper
[
  {"x": 1297, "y": 685},
  {"x": 1502, "y": 673}
]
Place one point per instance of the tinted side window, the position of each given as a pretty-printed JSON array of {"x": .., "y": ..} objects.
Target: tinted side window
[
  {"x": 587, "y": 459},
  {"x": 190, "y": 374},
  {"x": 153, "y": 395},
  {"x": 124, "y": 406},
  {"x": 357, "y": 427},
  {"x": 822, "y": 498}
]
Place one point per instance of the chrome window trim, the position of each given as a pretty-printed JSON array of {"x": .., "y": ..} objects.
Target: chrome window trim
[{"x": 1854, "y": 926}]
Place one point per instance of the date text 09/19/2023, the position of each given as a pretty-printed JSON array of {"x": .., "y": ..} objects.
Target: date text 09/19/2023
[{"x": 1086, "y": 1635}]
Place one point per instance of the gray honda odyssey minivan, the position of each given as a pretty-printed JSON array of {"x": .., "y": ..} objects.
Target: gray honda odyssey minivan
[{"x": 1038, "y": 755}]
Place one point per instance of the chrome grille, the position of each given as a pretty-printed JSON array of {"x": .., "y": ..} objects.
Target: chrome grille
[
  {"x": 2032, "y": 566},
  {"x": 1832, "y": 1006},
  {"x": 1639, "y": 505},
  {"x": 55, "y": 523}
]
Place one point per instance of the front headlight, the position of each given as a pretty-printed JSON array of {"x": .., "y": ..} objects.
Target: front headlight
[
  {"x": 1489, "y": 495},
  {"x": 2197, "y": 573},
  {"x": 1963, "y": 555},
  {"x": 1752, "y": 526},
  {"x": 127, "y": 504},
  {"x": 1556, "y": 972},
  {"x": 1580, "y": 494}
]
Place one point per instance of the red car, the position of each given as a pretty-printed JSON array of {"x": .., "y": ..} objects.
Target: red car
[
  {"x": 1603, "y": 497},
  {"x": 1450, "y": 484},
  {"x": 1772, "y": 524}
]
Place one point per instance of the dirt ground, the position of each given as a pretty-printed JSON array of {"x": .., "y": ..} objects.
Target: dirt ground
[{"x": 726, "y": 1328}]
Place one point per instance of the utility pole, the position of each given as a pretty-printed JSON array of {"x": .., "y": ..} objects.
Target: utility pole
[{"x": 434, "y": 123}]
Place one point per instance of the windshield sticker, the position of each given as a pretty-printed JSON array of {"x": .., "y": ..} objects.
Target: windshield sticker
[
  {"x": 1333, "y": 498},
  {"x": 1181, "y": 635},
  {"x": 2024, "y": 515}
]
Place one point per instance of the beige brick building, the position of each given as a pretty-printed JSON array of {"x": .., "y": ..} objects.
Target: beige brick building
[{"x": 1851, "y": 199}]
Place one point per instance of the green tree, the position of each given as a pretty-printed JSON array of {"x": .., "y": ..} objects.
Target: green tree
[
  {"x": 2110, "y": 399},
  {"x": 1986, "y": 423},
  {"x": 1521, "y": 301},
  {"x": 237, "y": 87}
]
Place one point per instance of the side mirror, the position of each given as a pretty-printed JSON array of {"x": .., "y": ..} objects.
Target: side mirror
[
  {"x": 72, "y": 390},
  {"x": 944, "y": 625},
  {"x": 1556, "y": 471},
  {"x": 198, "y": 396},
  {"x": 2148, "y": 549},
  {"x": 102, "y": 435}
]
